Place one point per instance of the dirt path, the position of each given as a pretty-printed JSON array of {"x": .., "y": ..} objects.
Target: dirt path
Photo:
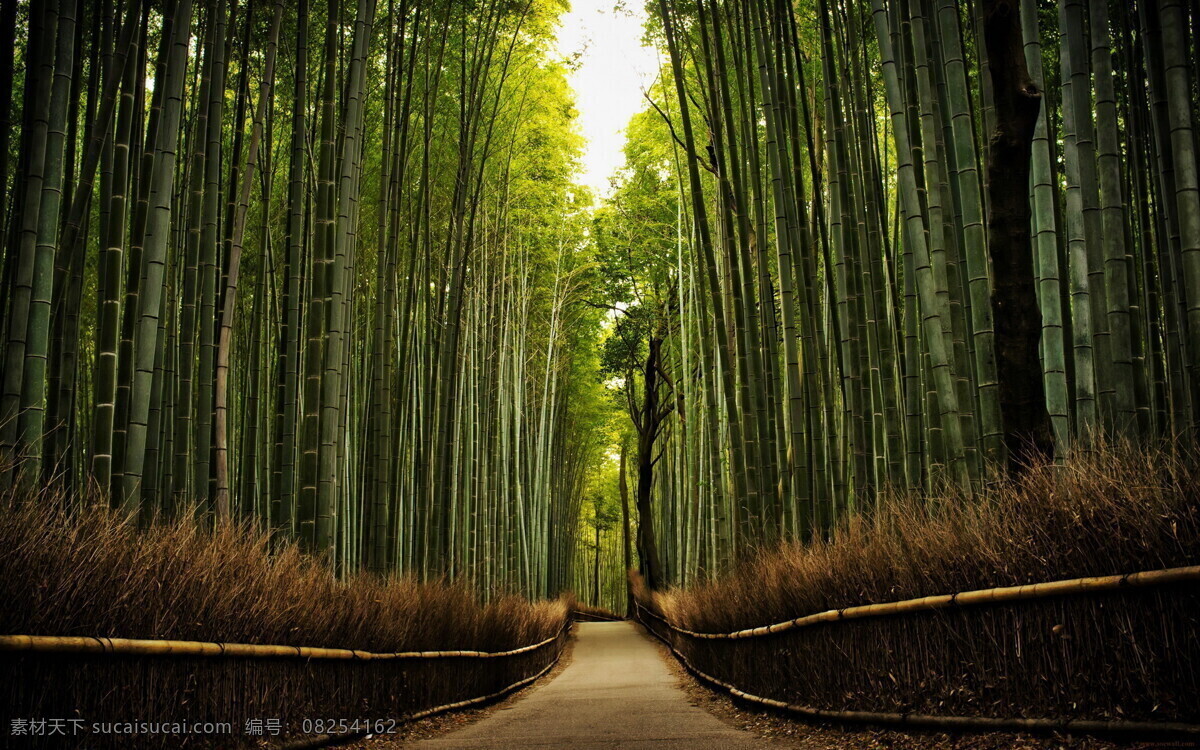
[{"x": 616, "y": 693}]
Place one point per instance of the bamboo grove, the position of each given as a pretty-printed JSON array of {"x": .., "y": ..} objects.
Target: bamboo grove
[
  {"x": 322, "y": 266},
  {"x": 310, "y": 265},
  {"x": 908, "y": 244}
]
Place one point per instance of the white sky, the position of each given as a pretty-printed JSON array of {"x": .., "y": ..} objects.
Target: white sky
[{"x": 614, "y": 70}]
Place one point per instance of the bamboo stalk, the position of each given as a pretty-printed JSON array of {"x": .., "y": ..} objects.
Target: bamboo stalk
[
  {"x": 146, "y": 647},
  {"x": 1025, "y": 592}
]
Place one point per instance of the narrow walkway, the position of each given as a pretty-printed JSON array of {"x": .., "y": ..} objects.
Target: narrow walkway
[{"x": 615, "y": 693}]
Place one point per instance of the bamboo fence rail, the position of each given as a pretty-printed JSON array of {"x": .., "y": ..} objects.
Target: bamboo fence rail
[
  {"x": 1144, "y": 579},
  {"x": 146, "y": 647}
]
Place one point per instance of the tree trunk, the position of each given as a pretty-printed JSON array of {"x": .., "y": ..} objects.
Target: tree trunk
[
  {"x": 623, "y": 483},
  {"x": 596, "y": 572},
  {"x": 1014, "y": 296},
  {"x": 651, "y": 567}
]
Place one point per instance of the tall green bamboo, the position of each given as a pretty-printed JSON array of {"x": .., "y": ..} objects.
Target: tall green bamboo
[{"x": 154, "y": 257}]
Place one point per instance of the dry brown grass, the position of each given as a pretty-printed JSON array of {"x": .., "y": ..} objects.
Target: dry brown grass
[
  {"x": 1126, "y": 654},
  {"x": 1108, "y": 513},
  {"x": 88, "y": 574}
]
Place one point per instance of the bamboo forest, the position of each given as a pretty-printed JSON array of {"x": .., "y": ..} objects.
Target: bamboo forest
[{"x": 696, "y": 373}]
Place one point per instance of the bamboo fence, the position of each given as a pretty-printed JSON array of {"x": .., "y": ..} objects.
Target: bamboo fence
[
  {"x": 338, "y": 739},
  {"x": 998, "y": 595},
  {"x": 214, "y": 652},
  {"x": 244, "y": 679}
]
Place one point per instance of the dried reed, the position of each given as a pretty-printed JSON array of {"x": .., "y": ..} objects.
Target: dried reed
[
  {"x": 1129, "y": 654},
  {"x": 87, "y": 573}
]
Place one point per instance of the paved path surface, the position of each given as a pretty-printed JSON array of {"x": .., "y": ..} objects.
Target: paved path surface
[{"x": 616, "y": 693}]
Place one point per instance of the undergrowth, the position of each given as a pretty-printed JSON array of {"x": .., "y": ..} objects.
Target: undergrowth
[
  {"x": 1123, "y": 654},
  {"x": 88, "y": 573},
  {"x": 1113, "y": 511}
]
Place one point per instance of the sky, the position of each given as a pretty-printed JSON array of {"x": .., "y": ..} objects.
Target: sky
[{"x": 613, "y": 71}]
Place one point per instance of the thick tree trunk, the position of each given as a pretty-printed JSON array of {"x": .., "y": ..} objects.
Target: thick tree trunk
[
  {"x": 1014, "y": 295},
  {"x": 623, "y": 483},
  {"x": 651, "y": 567},
  {"x": 596, "y": 571}
]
